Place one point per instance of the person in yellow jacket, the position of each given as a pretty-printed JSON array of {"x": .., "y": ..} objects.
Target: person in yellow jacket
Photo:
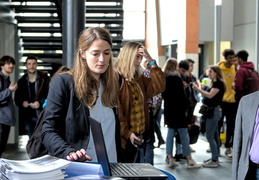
[{"x": 228, "y": 105}]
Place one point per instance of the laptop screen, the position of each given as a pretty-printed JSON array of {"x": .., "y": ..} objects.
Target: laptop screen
[
  {"x": 100, "y": 147},
  {"x": 144, "y": 170}
]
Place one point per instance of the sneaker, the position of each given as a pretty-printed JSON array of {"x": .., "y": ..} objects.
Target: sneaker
[
  {"x": 172, "y": 163},
  {"x": 228, "y": 151},
  {"x": 211, "y": 164},
  {"x": 205, "y": 161},
  {"x": 229, "y": 156},
  {"x": 208, "y": 150},
  {"x": 192, "y": 164}
]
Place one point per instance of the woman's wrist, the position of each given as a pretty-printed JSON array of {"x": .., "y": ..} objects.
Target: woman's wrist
[{"x": 153, "y": 62}]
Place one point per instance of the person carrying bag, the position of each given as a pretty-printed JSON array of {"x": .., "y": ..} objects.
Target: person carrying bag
[
  {"x": 206, "y": 111},
  {"x": 212, "y": 113}
]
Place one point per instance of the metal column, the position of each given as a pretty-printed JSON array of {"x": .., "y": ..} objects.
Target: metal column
[
  {"x": 217, "y": 29},
  {"x": 73, "y": 20}
]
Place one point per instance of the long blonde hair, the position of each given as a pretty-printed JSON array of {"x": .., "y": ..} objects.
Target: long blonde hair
[
  {"x": 125, "y": 63},
  {"x": 170, "y": 66},
  {"x": 85, "y": 84}
]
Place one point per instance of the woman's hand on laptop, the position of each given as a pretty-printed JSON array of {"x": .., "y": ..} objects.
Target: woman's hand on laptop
[{"x": 79, "y": 155}]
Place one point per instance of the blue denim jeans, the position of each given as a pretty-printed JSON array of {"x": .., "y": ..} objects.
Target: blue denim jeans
[
  {"x": 184, "y": 136},
  {"x": 149, "y": 153},
  {"x": 178, "y": 148},
  {"x": 30, "y": 125},
  {"x": 257, "y": 174},
  {"x": 212, "y": 133}
]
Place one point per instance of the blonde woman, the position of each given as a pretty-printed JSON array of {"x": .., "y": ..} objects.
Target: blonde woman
[
  {"x": 133, "y": 107},
  {"x": 89, "y": 88}
]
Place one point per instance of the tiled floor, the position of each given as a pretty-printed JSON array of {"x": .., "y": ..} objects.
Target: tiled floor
[{"x": 223, "y": 172}]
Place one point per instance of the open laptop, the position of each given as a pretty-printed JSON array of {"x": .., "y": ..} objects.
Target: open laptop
[{"x": 123, "y": 170}]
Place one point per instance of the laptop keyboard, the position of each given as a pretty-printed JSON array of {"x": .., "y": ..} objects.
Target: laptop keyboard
[{"x": 123, "y": 169}]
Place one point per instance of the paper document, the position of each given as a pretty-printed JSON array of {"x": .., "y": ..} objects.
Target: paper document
[{"x": 37, "y": 165}]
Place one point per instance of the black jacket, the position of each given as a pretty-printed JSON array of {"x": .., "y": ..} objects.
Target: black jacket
[
  {"x": 175, "y": 102},
  {"x": 66, "y": 125},
  {"x": 23, "y": 94}
]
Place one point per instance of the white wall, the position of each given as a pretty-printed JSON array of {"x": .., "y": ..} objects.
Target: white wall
[
  {"x": 244, "y": 27},
  {"x": 206, "y": 20},
  {"x": 171, "y": 12}
]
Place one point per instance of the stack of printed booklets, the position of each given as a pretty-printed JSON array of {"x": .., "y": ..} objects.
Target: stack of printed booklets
[{"x": 45, "y": 167}]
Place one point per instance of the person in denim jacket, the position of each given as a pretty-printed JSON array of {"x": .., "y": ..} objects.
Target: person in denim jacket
[{"x": 7, "y": 117}]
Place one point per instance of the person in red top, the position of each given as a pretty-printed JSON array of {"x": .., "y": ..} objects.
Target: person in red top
[{"x": 246, "y": 79}]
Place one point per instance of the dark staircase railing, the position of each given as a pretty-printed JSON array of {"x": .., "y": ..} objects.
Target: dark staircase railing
[{"x": 105, "y": 13}]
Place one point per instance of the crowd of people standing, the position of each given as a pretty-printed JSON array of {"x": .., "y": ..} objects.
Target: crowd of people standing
[{"x": 129, "y": 91}]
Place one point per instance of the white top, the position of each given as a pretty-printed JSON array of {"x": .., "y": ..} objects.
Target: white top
[{"x": 106, "y": 117}]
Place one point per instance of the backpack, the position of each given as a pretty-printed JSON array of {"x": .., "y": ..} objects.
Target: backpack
[
  {"x": 34, "y": 146},
  {"x": 251, "y": 82}
]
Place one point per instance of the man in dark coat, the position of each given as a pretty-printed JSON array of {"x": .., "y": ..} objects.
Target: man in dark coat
[{"x": 31, "y": 93}]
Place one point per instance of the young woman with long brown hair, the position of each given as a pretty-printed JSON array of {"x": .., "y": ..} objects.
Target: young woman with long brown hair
[{"x": 89, "y": 88}]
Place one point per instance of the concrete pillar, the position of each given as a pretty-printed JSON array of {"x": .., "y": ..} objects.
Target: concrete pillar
[
  {"x": 152, "y": 32},
  {"x": 217, "y": 29},
  {"x": 188, "y": 42},
  {"x": 73, "y": 20}
]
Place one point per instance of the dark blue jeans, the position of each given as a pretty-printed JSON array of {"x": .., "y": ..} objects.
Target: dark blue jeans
[
  {"x": 4, "y": 134},
  {"x": 30, "y": 125},
  {"x": 257, "y": 174},
  {"x": 212, "y": 133}
]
